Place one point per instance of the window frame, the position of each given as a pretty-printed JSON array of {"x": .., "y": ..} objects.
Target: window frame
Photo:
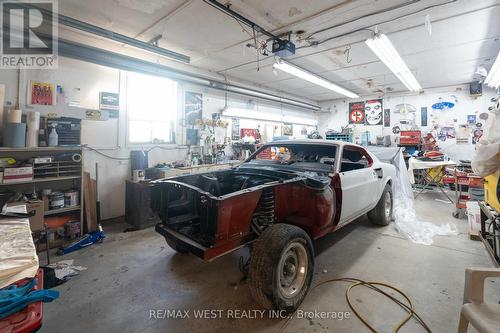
[
  {"x": 363, "y": 151},
  {"x": 148, "y": 144}
]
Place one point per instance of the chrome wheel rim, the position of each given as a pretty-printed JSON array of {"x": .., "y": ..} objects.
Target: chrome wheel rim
[
  {"x": 292, "y": 269},
  {"x": 388, "y": 205}
]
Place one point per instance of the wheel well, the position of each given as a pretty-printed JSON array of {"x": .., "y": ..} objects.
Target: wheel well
[{"x": 389, "y": 182}]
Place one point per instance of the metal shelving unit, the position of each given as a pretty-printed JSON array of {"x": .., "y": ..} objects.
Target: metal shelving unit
[
  {"x": 61, "y": 210},
  {"x": 57, "y": 175}
]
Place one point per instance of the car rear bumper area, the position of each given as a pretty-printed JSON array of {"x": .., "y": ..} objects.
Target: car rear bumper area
[{"x": 193, "y": 247}]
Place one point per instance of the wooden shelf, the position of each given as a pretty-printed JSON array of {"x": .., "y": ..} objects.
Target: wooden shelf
[
  {"x": 61, "y": 210},
  {"x": 42, "y": 180}
]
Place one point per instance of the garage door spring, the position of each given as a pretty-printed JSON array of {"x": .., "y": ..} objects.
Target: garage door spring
[{"x": 374, "y": 286}]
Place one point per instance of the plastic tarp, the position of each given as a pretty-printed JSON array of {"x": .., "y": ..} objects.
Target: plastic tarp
[
  {"x": 486, "y": 160},
  {"x": 18, "y": 258},
  {"x": 405, "y": 217}
]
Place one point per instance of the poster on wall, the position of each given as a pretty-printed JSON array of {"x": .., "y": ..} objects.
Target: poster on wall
[
  {"x": 423, "y": 116},
  {"x": 41, "y": 93},
  {"x": 477, "y": 133},
  {"x": 109, "y": 102},
  {"x": 471, "y": 119},
  {"x": 387, "y": 117},
  {"x": 357, "y": 113},
  {"x": 235, "y": 128},
  {"x": 288, "y": 129},
  {"x": 373, "y": 112},
  {"x": 193, "y": 106}
]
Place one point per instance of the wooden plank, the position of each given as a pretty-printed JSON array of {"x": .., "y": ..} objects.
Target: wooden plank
[{"x": 89, "y": 193}]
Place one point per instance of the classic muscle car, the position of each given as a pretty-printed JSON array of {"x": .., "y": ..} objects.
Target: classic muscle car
[{"x": 282, "y": 197}]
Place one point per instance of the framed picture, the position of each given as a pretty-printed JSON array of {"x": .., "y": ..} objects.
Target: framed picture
[
  {"x": 193, "y": 107},
  {"x": 357, "y": 113},
  {"x": 387, "y": 118},
  {"x": 41, "y": 93},
  {"x": 288, "y": 129},
  {"x": 423, "y": 116},
  {"x": 373, "y": 112},
  {"x": 235, "y": 128}
]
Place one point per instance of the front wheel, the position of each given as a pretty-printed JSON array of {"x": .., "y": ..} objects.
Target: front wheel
[
  {"x": 382, "y": 213},
  {"x": 281, "y": 267}
]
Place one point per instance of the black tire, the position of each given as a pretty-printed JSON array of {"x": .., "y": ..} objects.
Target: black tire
[
  {"x": 378, "y": 215},
  {"x": 175, "y": 245},
  {"x": 278, "y": 246}
]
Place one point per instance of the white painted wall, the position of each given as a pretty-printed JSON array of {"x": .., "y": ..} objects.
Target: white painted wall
[
  {"x": 464, "y": 105},
  {"x": 83, "y": 81}
]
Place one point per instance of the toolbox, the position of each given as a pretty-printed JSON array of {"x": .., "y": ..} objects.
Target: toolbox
[{"x": 410, "y": 137}]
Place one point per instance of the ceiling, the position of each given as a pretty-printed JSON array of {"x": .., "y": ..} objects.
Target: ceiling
[{"x": 465, "y": 34}]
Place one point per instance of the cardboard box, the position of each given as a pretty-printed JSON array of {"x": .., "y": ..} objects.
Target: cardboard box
[
  {"x": 17, "y": 174},
  {"x": 36, "y": 221},
  {"x": 474, "y": 217}
]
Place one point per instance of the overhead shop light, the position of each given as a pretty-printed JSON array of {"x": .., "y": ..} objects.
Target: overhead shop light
[
  {"x": 385, "y": 51},
  {"x": 278, "y": 118},
  {"x": 313, "y": 78},
  {"x": 493, "y": 78}
]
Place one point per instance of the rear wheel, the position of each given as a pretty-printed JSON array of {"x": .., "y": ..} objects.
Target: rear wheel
[
  {"x": 281, "y": 267},
  {"x": 382, "y": 213}
]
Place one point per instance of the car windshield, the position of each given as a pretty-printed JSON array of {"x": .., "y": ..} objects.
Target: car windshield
[{"x": 305, "y": 157}]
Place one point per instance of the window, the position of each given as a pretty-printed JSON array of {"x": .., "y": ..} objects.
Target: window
[
  {"x": 354, "y": 158},
  {"x": 305, "y": 157},
  {"x": 151, "y": 107}
]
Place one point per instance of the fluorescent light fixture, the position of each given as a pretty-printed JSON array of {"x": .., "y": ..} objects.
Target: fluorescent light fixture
[
  {"x": 383, "y": 48},
  {"x": 299, "y": 72},
  {"x": 257, "y": 115},
  {"x": 493, "y": 78}
]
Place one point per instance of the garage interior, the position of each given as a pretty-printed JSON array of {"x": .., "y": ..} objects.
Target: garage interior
[{"x": 250, "y": 166}]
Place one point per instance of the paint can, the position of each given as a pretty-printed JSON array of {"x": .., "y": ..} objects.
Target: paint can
[
  {"x": 138, "y": 175},
  {"x": 56, "y": 200},
  {"x": 72, "y": 229},
  {"x": 71, "y": 198}
]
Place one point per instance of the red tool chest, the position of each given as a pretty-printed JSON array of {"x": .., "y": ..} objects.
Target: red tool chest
[{"x": 410, "y": 137}]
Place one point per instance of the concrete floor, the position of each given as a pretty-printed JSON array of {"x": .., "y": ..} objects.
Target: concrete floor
[{"x": 131, "y": 274}]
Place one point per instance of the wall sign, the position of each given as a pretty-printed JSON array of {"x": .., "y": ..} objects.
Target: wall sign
[
  {"x": 235, "y": 128},
  {"x": 96, "y": 115},
  {"x": 443, "y": 105},
  {"x": 288, "y": 129},
  {"x": 387, "y": 118},
  {"x": 471, "y": 119},
  {"x": 423, "y": 116},
  {"x": 110, "y": 102},
  {"x": 373, "y": 112},
  {"x": 357, "y": 113}
]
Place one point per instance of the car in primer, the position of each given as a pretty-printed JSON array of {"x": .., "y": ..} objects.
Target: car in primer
[{"x": 285, "y": 195}]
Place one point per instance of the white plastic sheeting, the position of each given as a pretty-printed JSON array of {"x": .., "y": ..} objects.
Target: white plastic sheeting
[
  {"x": 486, "y": 160},
  {"x": 405, "y": 217},
  {"x": 18, "y": 258}
]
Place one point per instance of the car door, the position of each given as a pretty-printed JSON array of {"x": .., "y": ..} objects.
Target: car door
[{"x": 358, "y": 181}]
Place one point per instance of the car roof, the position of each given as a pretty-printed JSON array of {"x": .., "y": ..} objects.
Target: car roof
[{"x": 314, "y": 141}]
